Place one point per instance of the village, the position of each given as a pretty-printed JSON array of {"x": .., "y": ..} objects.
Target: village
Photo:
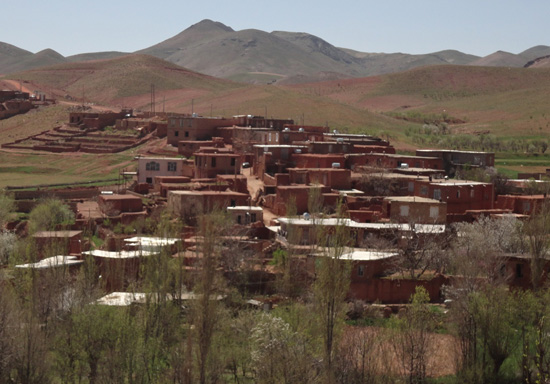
[{"x": 281, "y": 185}]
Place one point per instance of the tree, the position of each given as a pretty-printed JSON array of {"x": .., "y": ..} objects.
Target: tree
[
  {"x": 209, "y": 284},
  {"x": 421, "y": 248},
  {"x": 332, "y": 280},
  {"x": 280, "y": 353},
  {"x": 7, "y": 246},
  {"x": 536, "y": 231},
  {"x": 7, "y": 207},
  {"x": 495, "y": 313},
  {"x": 412, "y": 337},
  {"x": 50, "y": 214}
]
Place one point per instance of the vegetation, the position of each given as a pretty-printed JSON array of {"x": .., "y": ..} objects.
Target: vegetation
[{"x": 50, "y": 215}]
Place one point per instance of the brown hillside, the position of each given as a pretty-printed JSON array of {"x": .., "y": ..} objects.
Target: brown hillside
[
  {"x": 111, "y": 81},
  {"x": 500, "y": 59}
]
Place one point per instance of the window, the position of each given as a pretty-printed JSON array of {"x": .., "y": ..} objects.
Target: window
[
  {"x": 176, "y": 133},
  {"x": 472, "y": 193},
  {"x": 411, "y": 186},
  {"x": 404, "y": 210},
  {"x": 519, "y": 270},
  {"x": 424, "y": 190},
  {"x": 152, "y": 166},
  {"x": 181, "y": 122},
  {"x": 526, "y": 206},
  {"x": 361, "y": 270},
  {"x": 253, "y": 217},
  {"x": 437, "y": 194},
  {"x": 186, "y": 133},
  {"x": 213, "y": 162},
  {"x": 233, "y": 202},
  {"x": 232, "y": 161},
  {"x": 239, "y": 219},
  {"x": 458, "y": 194},
  {"x": 149, "y": 180},
  {"x": 434, "y": 212},
  {"x": 172, "y": 166}
]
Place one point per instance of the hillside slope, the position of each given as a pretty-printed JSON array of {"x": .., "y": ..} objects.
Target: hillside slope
[{"x": 108, "y": 81}]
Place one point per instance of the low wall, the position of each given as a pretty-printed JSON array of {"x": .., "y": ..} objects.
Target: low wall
[{"x": 396, "y": 290}]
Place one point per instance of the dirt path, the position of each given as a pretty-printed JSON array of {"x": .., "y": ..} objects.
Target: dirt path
[{"x": 14, "y": 85}]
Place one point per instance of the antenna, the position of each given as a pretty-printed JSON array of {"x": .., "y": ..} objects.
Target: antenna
[{"x": 152, "y": 99}]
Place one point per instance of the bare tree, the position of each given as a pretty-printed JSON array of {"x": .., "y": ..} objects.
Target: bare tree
[
  {"x": 412, "y": 337},
  {"x": 333, "y": 275},
  {"x": 536, "y": 231}
]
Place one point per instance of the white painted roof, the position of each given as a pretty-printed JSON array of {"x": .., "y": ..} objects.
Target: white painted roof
[
  {"x": 50, "y": 262},
  {"x": 419, "y": 228},
  {"x": 118, "y": 255}
]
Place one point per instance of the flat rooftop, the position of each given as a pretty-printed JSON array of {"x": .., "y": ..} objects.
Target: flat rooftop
[
  {"x": 245, "y": 208},
  {"x": 57, "y": 234},
  {"x": 412, "y": 199},
  {"x": 331, "y": 222},
  {"x": 118, "y": 255},
  {"x": 52, "y": 262}
]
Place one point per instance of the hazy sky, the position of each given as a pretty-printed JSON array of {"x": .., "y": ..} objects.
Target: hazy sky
[{"x": 479, "y": 27}]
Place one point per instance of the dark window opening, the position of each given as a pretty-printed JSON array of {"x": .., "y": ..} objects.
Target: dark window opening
[{"x": 519, "y": 270}]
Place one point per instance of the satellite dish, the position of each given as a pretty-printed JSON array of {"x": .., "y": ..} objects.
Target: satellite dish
[{"x": 306, "y": 216}]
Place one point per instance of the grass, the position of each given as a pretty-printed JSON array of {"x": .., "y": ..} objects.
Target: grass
[{"x": 38, "y": 168}]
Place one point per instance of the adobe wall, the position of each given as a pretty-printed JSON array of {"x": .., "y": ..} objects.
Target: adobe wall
[
  {"x": 396, "y": 290},
  {"x": 66, "y": 194}
]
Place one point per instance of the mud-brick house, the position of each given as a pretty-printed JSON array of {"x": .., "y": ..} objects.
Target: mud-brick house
[
  {"x": 460, "y": 195},
  {"x": 334, "y": 178},
  {"x": 150, "y": 167},
  {"x": 118, "y": 269},
  {"x": 414, "y": 209},
  {"x": 246, "y": 214},
  {"x": 49, "y": 243},
  {"x": 193, "y": 128},
  {"x": 316, "y": 160},
  {"x": 188, "y": 147},
  {"x": 113, "y": 205},
  {"x": 210, "y": 162},
  {"x": 453, "y": 160},
  {"x": 521, "y": 204},
  {"x": 192, "y": 203},
  {"x": 273, "y": 159},
  {"x": 309, "y": 229}
]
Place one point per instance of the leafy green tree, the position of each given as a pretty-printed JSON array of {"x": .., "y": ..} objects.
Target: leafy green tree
[
  {"x": 50, "y": 214},
  {"x": 7, "y": 207}
]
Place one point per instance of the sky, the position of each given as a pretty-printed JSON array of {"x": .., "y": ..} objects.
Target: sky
[{"x": 478, "y": 27}]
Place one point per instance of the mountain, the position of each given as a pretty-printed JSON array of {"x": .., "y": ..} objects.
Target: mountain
[
  {"x": 540, "y": 62},
  {"x": 256, "y": 56},
  {"x": 96, "y": 56},
  {"x": 14, "y": 59},
  {"x": 501, "y": 59},
  {"x": 10, "y": 56},
  {"x": 112, "y": 80},
  {"x": 218, "y": 50},
  {"x": 536, "y": 52}
]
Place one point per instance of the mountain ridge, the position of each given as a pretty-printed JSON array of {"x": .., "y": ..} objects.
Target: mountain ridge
[{"x": 257, "y": 56}]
